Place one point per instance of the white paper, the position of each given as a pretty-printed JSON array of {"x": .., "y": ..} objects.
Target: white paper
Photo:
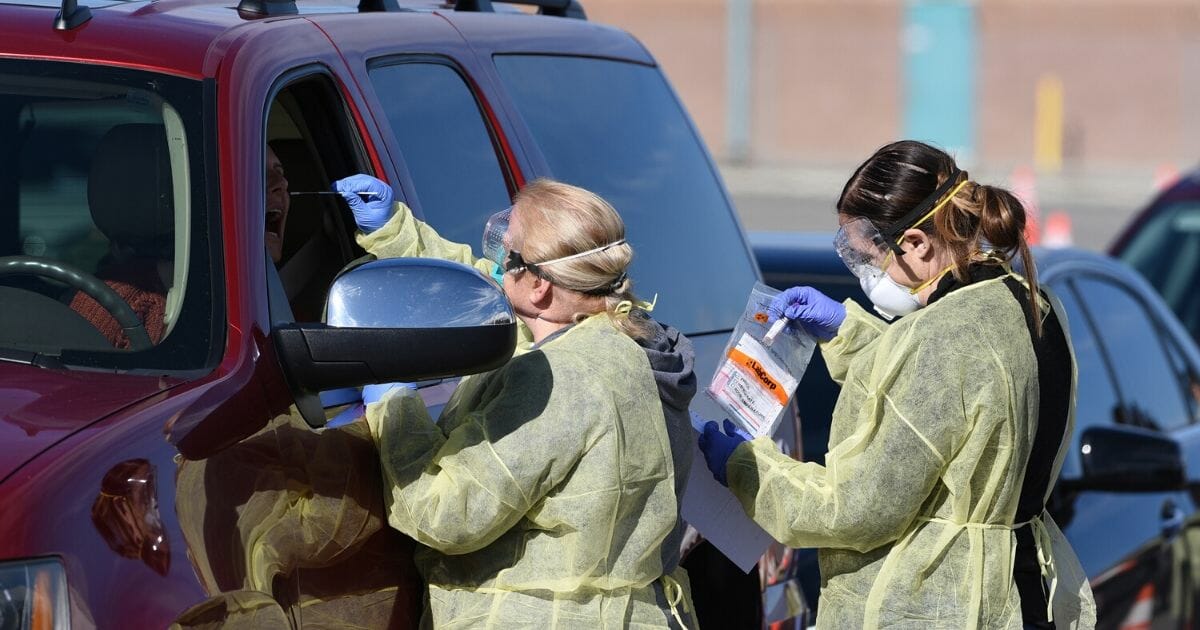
[{"x": 713, "y": 510}]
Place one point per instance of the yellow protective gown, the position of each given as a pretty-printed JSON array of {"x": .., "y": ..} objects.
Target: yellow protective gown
[
  {"x": 545, "y": 493},
  {"x": 913, "y": 510}
]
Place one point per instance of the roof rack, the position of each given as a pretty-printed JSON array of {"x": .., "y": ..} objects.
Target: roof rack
[
  {"x": 366, "y": 6},
  {"x": 559, "y": 8},
  {"x": 71, "y": 15},
  {"x": 268, "y": 8}
]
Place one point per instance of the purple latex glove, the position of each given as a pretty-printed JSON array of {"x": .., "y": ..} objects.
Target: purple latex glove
[
  {"x": 370, "y": 214},
  {"x": 718, "y": 447},
  {"x": 816, "y": 312}
]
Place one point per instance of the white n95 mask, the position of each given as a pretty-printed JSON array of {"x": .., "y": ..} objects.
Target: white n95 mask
[{"x": 890, "y": 298}]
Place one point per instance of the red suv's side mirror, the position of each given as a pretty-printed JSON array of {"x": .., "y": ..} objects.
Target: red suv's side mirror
[{"x": 400, "y": 319}]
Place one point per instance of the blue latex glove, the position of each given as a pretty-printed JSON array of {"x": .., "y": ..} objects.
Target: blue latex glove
[
  {"x": 371, "y": 214},
  {"x": 372, "y": 393},
  {"x": 717, "y": 447},
  {"x": 816, "y": 312}
]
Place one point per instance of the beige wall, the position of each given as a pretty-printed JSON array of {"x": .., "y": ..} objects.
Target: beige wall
[{"x": 827, "y": 75}]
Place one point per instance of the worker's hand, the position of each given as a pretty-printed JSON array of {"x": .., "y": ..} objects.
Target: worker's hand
[
  {"x": 374, "y": 393},
  {"x": 816, "y": 312},
  {"x": 718, "y": 447},
  {"x": 370, "y": 200}
]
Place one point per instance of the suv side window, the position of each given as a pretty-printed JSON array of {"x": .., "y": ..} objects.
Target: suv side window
[
  {"x": 448, "y": 148},
  {"x": 1139, "y": 360},
  {"x": 309, "y": 132},
  {"x": 628, "y": 139}
]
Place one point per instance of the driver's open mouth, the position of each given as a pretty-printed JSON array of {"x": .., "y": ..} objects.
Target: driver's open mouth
[{"x": 275, "y": 221}]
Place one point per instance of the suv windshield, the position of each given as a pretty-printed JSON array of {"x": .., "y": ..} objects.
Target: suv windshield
[
  {"x": 101, "y": 260},
  {"x": 628, "y": 139}
]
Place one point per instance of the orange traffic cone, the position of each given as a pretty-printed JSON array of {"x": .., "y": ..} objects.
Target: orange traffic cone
[
  {"x": 1058, "y": 230},
  {"x": 1142, "y": 612}
]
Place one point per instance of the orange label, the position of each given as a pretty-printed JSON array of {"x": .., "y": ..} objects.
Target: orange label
[{"x": 754, "y": 369}]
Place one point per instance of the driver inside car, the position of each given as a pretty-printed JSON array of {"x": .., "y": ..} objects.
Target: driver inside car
[
  {"x": 130, "y": 197},
  {"x": 139, "y": 221}
]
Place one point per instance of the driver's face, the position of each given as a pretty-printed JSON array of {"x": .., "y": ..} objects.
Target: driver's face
[{"x": 277, "y": 205}]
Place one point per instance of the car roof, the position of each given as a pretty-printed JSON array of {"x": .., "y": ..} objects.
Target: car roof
[
  {"x": 785, "y": 251},
  {"x": 1187, "y": 188},
  {"x": 185, "y": 37}
]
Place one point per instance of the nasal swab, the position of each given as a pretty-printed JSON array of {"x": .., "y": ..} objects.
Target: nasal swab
[{"x": 330, "y": 192}]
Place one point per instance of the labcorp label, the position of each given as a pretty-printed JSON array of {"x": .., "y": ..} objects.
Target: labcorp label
[{"x": 752, "y": 385}]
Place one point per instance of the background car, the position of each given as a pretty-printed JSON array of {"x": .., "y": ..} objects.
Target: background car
[
  {"x": 1127, "y": 495},
  {"x": 1163, "y": 243}
]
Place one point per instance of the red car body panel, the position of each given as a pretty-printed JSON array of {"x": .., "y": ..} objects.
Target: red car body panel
[{"x": 39, "y": 408}]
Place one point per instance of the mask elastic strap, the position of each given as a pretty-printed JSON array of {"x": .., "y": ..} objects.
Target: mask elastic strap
[
  {"x": 625, "y": 306},
  {"x": 941, "y": 274},
  {"x": 582, "y": 254},
  {"x": 938, "y": 200}
]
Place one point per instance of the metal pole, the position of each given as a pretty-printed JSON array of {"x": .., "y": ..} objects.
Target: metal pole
[{"x": 739, "y": 56}]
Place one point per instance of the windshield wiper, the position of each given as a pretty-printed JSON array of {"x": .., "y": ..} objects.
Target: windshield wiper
[{"x": 26, "y": 357}]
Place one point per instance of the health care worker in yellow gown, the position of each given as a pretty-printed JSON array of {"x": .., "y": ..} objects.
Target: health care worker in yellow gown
[
  {"x": 952, "y": 421},
  {"x": 547, "y": 494}
]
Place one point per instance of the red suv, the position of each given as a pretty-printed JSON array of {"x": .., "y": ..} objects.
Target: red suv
[{"x": 167, "y": 251}]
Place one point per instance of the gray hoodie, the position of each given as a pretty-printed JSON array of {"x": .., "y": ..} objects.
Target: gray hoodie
[{"x": 671, "y": 359}]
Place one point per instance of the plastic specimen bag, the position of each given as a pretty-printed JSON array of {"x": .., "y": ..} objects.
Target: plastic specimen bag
[{"x": 755, "y": 380}]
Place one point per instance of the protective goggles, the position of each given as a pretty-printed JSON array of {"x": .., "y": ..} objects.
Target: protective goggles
[
  {"x": 495, "y": 236},
  {"x": 496, "y": 248},
  {"x": 514, "y": 262},
  {"x": 862, "y": 247},
  {"x": 867, "y": 250}
]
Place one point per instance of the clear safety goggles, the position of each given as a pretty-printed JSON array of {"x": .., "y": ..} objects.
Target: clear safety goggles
[
  {"x": 495, "y": 237},
  {"x": 497, "y": 247},
  {"x": 867, "y": 250},
  {"x": 862, "y": 247}
]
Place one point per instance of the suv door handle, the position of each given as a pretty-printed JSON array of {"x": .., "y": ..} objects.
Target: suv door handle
[{"x": 1172, "y": 520}]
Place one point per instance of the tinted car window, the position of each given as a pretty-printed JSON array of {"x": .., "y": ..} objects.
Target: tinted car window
[
  {"x": 1167, "y": 251},
  {"x": 1149, "y": 386},
  {"x": 447, "y": 146},
  {"x": 627, "y": 138},
  {"x": 103, "y": 177},
  {"x": 1096, "y": 401}
]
